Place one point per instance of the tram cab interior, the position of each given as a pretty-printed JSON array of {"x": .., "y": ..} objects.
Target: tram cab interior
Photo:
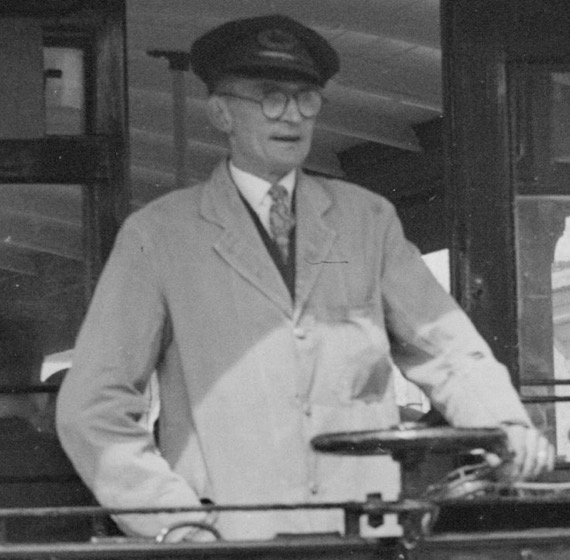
[{"x": 457, "y": 111}]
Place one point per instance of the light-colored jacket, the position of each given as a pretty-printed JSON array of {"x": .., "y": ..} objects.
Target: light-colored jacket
[{"x": 247, "y": 376}]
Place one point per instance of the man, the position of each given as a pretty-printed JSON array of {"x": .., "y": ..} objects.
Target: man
[{"x": 271, "y": 315}]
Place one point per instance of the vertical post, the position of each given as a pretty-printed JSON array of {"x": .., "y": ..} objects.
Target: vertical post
[{"x": 178, "y": 63}]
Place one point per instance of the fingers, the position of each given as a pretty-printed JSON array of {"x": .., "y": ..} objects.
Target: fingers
[
  {"x": 538, "y": 455},
  {"x": 532, "y": 453}
]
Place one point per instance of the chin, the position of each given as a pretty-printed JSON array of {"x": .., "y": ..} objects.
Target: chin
[
  {"x": 285, "y": 164},
  {"x": 283, "y": 168}
]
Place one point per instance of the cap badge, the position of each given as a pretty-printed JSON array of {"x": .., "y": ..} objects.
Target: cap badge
[{"x": 277, "y": 39}]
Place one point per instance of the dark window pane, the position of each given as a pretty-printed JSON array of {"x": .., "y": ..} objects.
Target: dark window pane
[{"x": 42, "y": 267}]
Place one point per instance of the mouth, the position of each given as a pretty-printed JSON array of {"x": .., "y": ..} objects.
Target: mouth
[{"x": 286, "y": 138}]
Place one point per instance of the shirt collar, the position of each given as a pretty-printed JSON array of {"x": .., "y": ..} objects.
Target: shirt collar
[{"x": 254, "y": 189}]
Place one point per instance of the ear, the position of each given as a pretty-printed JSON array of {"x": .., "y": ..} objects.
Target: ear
[{"x": 219, "y": 113}]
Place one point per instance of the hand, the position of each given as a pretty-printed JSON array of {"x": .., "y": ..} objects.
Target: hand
[{"x": 531, "y": 451}]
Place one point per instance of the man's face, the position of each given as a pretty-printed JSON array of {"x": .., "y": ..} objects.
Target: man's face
[{"x": 266, "y": 147}]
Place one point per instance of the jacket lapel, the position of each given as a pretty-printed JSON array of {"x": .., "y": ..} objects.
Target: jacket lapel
[
  {"x": 314, "y": 236},
  {"x": 240, "y": 244}
]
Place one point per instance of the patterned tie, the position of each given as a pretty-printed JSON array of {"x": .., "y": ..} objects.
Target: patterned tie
[{"x": 281, "y": 220}]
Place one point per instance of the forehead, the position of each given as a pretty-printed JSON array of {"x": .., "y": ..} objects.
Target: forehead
[{"x": 262, "y": 85}]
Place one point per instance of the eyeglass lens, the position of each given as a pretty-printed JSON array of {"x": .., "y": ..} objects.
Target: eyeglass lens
[{"x": 275, "y": 103}]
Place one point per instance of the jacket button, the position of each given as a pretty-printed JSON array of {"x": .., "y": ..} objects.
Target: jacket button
[{"x": 299, "y": 333}]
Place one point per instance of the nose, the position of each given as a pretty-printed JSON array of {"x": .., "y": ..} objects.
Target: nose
[{"x": 292, "y": 113}]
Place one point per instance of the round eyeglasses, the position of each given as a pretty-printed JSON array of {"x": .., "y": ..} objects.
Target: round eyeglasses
[{"x": 274, "y": 103}]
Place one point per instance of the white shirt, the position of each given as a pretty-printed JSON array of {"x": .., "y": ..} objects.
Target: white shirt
[{"x": 256, "y": 190}]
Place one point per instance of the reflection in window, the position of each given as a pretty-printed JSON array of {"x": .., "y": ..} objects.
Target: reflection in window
[
  {"x": 64, "y": 91},
  {"x": 543, "y": 239},
  {"x": 42, "y": 266}
]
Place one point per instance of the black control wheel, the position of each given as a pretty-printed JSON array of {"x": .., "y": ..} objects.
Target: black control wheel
[{"x": 413, "y": 438}]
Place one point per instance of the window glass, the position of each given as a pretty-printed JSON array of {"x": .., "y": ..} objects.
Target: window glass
[
  {"x": 64, "y": 91},
  {"x": 438, "y": 263},
  {"x": 42, "y": 273},
  {"x": 542, "y": 227}
]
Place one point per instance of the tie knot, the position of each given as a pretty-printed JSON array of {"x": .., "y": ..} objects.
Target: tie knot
[{"x": 278, "y": 193}]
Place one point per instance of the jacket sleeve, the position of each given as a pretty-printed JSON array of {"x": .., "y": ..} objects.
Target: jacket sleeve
[
  {"x": 436, "y": 346},
  {"x": 102, "y": 398}
]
